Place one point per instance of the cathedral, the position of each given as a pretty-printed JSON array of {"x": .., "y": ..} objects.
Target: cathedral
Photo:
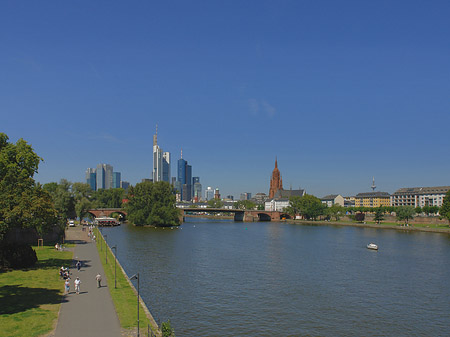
[
  {"x": 276, "y": 183},
  {"x": 276, "y": 190}
]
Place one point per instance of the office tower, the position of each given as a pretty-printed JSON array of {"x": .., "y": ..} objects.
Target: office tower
[
  {"x": 217, "y": 194},
  {"x": 197, "y": 189},
  {"x": 91, "y": 178},
  {"x": 116, "y": 180},
  {"x": 125, "y": 185},
  {"x": 245, "y": 196},
  {"x": 161, "y": 161},
  {"x": 104, "y": 176},
  {"x": 209, "y": 193},
  {"x": 185, "y": 179}
]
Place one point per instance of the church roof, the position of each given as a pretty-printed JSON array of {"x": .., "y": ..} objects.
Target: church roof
[{"x": 288, "y": 193}]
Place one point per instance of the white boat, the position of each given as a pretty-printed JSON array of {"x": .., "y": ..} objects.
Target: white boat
[{"x": 372, "y": 246}]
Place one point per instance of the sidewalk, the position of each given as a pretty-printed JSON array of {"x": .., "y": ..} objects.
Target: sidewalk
[{"x": 92, "y": 312}]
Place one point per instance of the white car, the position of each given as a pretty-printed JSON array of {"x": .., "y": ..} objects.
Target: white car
[{"x": 71, "y": 223}]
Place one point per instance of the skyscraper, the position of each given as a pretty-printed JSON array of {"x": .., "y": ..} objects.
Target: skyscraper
[
  {"x": 91, "y": 178},
  {"x": 185, "y": 178},
  {"x": 209, "y": 193},
  {"x": 197, "y": 189},
  {"x": 161, "y": 162},
  {"x": 116, "y": 180},
  {"x": 104, "y": 175}
]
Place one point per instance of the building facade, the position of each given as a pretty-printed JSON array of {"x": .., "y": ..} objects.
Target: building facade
[
  {"x": 419, "y": 196},
  {"x": 209, "y": 193},
  {"x": 184, "y": 179},
  {"x": 372, "y": 199},
  {"x": 276, "y": 205},
  {"x": 333, "y": 199}
]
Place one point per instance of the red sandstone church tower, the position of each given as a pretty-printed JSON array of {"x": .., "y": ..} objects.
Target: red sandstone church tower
[{"x": 276, "y": 183}]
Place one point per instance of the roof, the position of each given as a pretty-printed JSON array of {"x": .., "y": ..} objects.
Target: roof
[
  {"x": 423, "y": 190},
  {"x": 373, "y": 195},
  {"x": 329, "y": 197},
  {"x": 288, "y": 193}
]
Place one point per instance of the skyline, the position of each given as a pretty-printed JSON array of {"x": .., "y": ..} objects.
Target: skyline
[{"x": 338, "y": 93}]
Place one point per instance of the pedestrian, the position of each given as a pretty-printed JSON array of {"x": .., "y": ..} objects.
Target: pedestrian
[
  {"x": 78, "y": 265},
  {"x": 66, "y": 286},
  {"x": 77, "y": 285},
  {"x": 99, "y": 280}
]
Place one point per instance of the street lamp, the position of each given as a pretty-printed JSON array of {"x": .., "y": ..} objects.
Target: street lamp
[
  {"x": 136, "y": 277},
  {"x": 106, "y": 249},
  {"x": 115, "y": 259},
  {"x": 101, "y": 241}
]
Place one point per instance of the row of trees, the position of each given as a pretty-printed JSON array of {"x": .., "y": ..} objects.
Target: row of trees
[
  {"x": 311, "y": 207},
  {"x": 75, "y": 199}
]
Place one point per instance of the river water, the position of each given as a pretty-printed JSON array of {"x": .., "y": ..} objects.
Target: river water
[{"x": 225, "y": 278}]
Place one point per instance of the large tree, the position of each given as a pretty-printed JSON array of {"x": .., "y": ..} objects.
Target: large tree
[
  {"x": 405, "y": 213},
  {"x": 23, "y": 203},
  {"x": 308, "y": 205},
  {"x": 152, "y": 204},
  {"x": 445, "y": 208}
]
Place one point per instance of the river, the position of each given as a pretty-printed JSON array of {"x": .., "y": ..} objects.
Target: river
[{"x": 225, "y": 278}]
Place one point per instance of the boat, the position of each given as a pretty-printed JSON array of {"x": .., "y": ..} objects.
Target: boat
[{"x": 372, "y": 246}]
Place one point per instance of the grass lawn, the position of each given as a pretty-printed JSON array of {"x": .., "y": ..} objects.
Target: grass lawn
[
  {"x": 30, "y": 298},
  {"x": 124, "y": 298}
]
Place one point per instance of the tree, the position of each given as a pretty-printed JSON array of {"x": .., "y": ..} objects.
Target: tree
[
  {"x": 335, "y": 211},
  {"x": 405, "y": 213},
  {"x": 63, "y": 198},
  {"x": 308, "y": 205},
  {"x": 215, "y": 203},
  {"x": 445, "y": 208},
  {"x": 244, "y": 204},
  {"x": 110, "y": 198},
  {"x": 152, "y": 204},
  {"x": 360, "y": 217},
  {"x": 379, "y": 215},
  {"x": 23, "y": 203},
  {"x": 82, "y": 193}
]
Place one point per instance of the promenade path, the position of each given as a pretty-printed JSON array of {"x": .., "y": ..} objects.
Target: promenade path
[{"x": 92, "y": 312}]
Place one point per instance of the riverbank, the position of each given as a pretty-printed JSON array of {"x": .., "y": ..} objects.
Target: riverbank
[{"x": 421, "y": 228}]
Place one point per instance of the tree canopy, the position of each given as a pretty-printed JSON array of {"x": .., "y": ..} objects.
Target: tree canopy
[
  {"x": 445, "y": 208},
  {"x": 308, "y": 205},
  {"x": 23, "y": 203},
  {"x": 405, "y": 213},
  {"x": 152, "y": 204}
]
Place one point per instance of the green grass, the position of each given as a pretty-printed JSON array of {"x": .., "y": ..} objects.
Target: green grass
[
  {"x": 30, "y": 298},
  {"x": 124, "y": 298}
]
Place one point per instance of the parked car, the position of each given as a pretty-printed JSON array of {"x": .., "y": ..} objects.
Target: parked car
[{"x": 71, "y": 223}]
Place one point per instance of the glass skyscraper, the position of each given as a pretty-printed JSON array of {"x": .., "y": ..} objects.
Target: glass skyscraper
[
  {"x": 185, "y": 179},
  {"x": 161, "y": 162}
]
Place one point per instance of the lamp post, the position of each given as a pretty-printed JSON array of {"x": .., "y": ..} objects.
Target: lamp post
[
  {"x": 101, "y": 241},
  {"x": 115, "y": 259},
  {"x": 106, "y": 249},
  {"x": 136, "y": 277}
]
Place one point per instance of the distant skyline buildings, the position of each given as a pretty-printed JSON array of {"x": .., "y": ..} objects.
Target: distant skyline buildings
[
  {"x": 161, "y": 162},
  {"x": 103, "y": 177}
]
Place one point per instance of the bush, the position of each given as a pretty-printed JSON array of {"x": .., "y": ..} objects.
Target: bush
[
  {"x": 360, "y": 217},
  {"x": 167, "y": 330},
  {"x": 17, "y": 256}
]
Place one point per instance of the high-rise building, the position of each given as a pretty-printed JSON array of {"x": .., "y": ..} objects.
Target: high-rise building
[
  {"x": 91, "y": 178},
  {"x": 185, "y": 178},
  {"x": 197, "y": 189},
  {"x": 161, "y": 162},
  {"x": 116, "y": 180},
  {"x": 104, "y": 174},
  {"x": 245, "y": 196},
  {"x": 216, "y": 194},
  {"x": 209, "y": 193},
  {"x": 124, "y": 184}
]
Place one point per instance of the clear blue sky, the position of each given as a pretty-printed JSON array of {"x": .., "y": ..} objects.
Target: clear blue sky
[{"x": 339, "y": 91}]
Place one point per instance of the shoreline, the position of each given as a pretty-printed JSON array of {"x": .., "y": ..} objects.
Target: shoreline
[
  {"x": 339, "y": 223},
  {"x": 366, "y": 225}
]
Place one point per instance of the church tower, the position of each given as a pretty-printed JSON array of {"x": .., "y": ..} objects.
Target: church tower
[{"x": 276, "y": 183}]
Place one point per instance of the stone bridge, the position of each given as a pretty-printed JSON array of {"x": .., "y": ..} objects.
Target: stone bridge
[
  {"x": 106, "y": 212},
  {"x": 241, "y": 214}
]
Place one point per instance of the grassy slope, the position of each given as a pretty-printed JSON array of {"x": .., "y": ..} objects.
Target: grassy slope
[
  {"x": 30, "y": 299},
  {"x": 124, "y": 298}
]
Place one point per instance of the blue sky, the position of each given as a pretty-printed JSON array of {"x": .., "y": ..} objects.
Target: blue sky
[{"x": 338, "y": 91}]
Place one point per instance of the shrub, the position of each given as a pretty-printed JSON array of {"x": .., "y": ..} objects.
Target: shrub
[
  {"x": 17, "y": 256},
  {"x": 360, "y": 217}
]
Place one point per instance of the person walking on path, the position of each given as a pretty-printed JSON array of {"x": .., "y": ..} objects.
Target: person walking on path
[
  {"x": 77, "y": 285},
  {"x": 66, "y": 286},
  {"x": 78, "y": 265},
  {"x": 99, "y": 280}
]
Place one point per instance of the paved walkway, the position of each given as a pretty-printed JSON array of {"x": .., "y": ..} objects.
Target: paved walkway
[{"x": 92, "y": 312}]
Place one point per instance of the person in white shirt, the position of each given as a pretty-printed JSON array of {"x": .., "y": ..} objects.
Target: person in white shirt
[{"x": 77, "y": 285}]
